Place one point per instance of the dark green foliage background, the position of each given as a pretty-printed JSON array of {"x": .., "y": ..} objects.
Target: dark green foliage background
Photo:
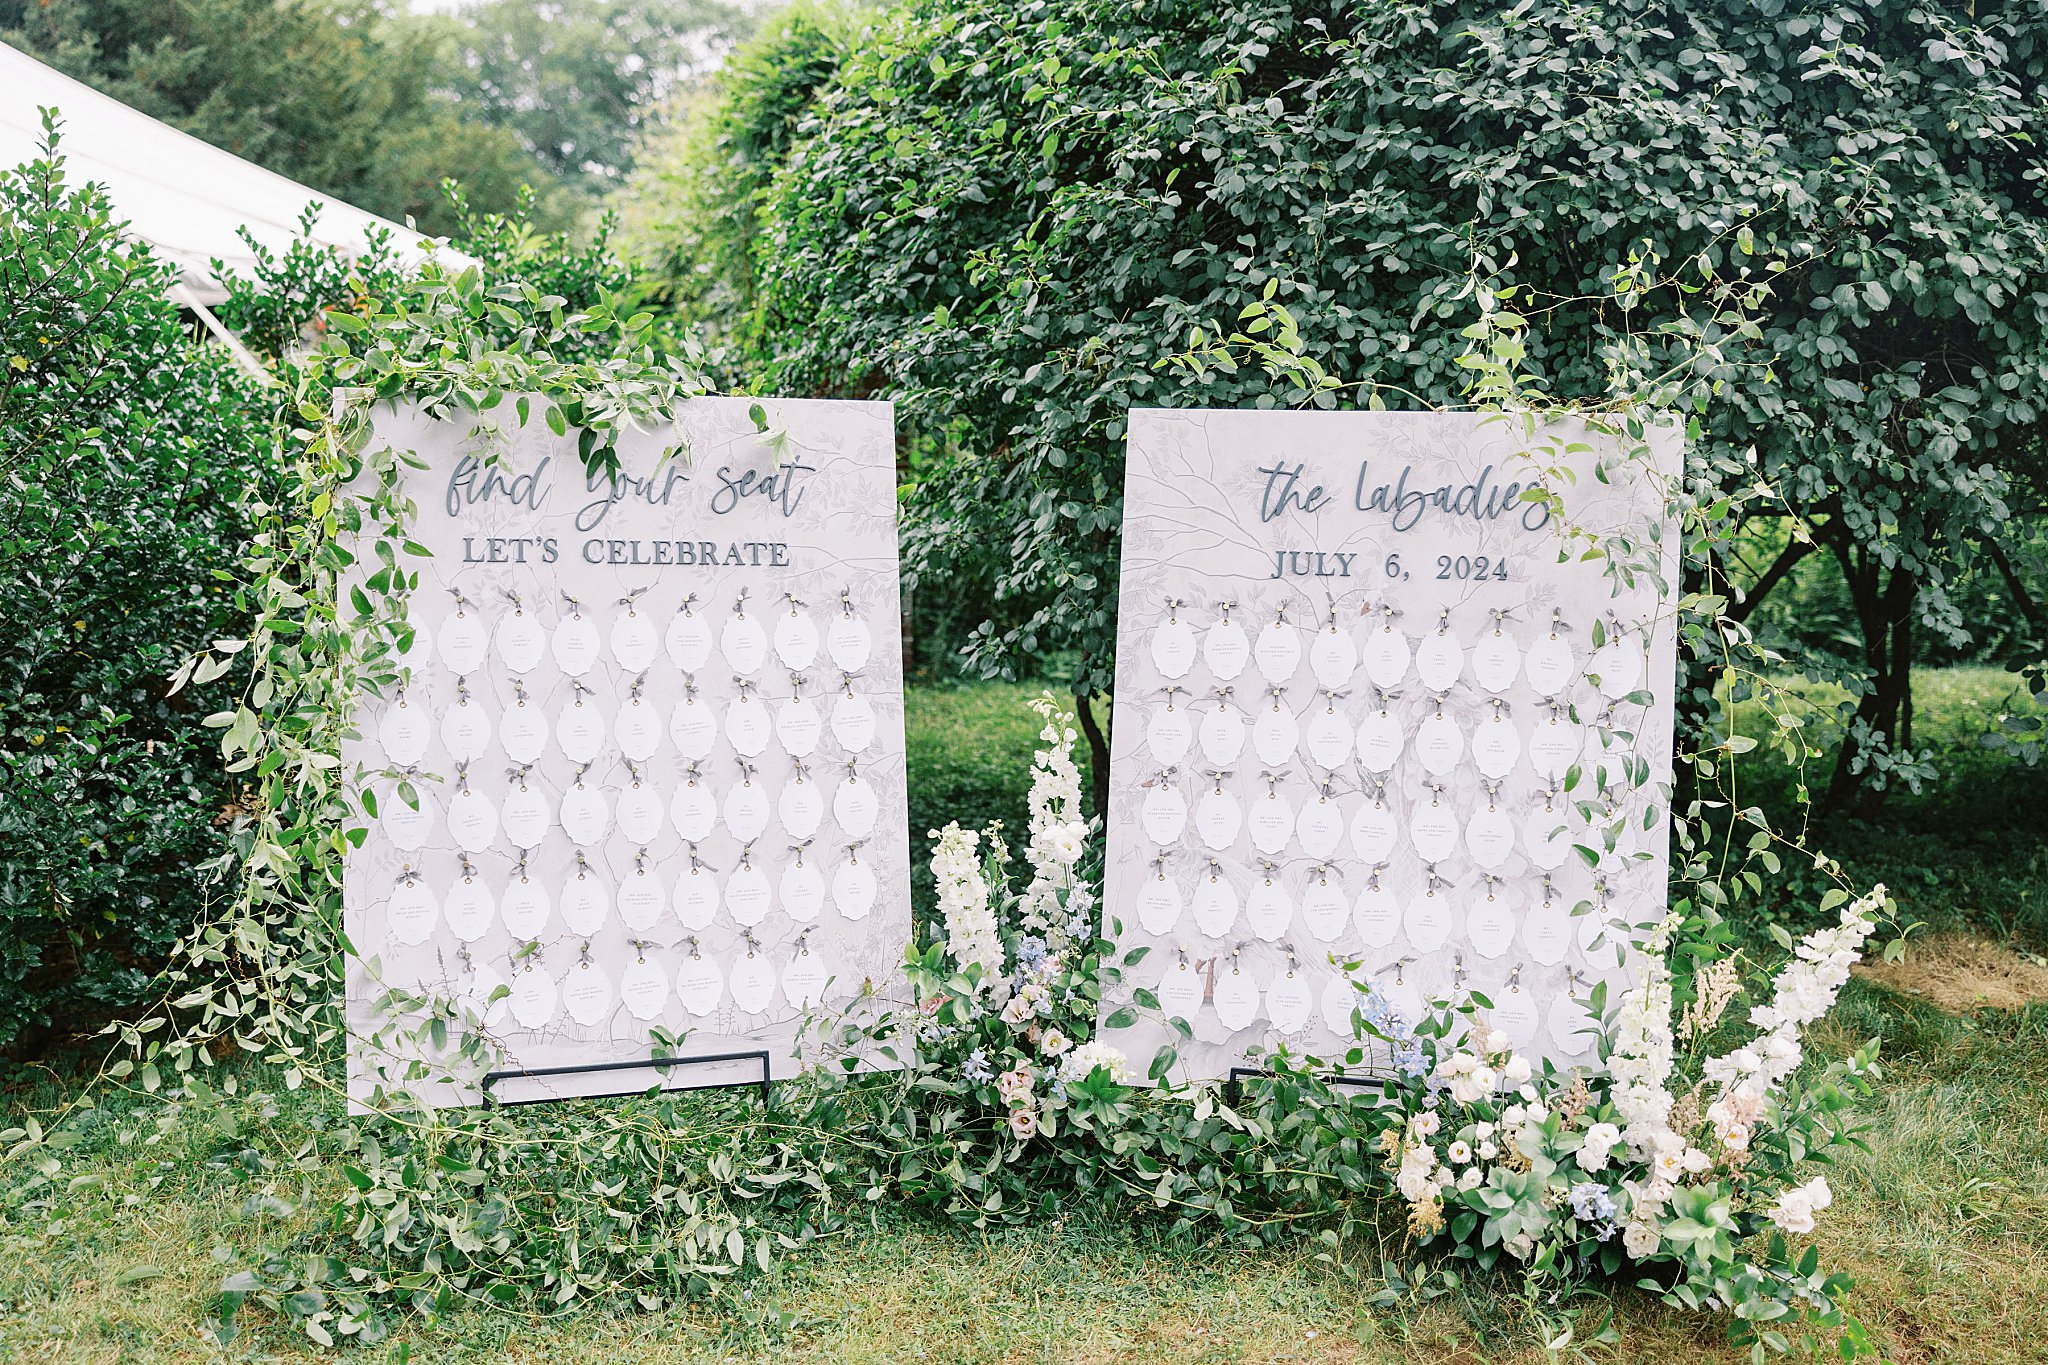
[
  {"x": 125, "y": 447},
  {"x": 1006, "y": 216}
]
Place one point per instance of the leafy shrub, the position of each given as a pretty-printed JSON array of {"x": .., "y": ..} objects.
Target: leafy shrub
[{"x": 125, "y": 444}]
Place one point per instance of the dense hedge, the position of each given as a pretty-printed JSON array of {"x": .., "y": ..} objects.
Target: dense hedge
[{"x": 125, "y": 445}]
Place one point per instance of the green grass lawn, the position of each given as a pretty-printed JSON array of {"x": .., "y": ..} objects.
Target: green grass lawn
[{"x": 1944, "y": 1222}]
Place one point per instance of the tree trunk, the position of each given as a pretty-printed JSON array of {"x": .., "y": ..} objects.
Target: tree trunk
[
  {"x": 1098, "y": 755},
  {"x": 1884, "y": 611}
]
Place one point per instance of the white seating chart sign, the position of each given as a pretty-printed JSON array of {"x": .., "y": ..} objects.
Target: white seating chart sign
[
  {"x": 655, "y": 722},
  {"x": 1375, "y": 704}
]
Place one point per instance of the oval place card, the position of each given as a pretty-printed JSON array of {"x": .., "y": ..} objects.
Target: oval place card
[
  {"x": 1215, "y": 905},
  {"x": 524, "y": 908},
  {"x": 1428, "y": 919},
  {"x": 1173, "y": 648},
  {"x": 1439, "y": 744},
  {"x": 803, "y": 980},
  {"x": 1164, "y": 814},
  {"x": 1340, "y": 998},
  {"x": 1320, "y": 826},
  {"x": 849, "y": 643},
  {"x": 1235, "y": 995},
  {"x": 692, "y": 728},
  {"x": 1547, "y": 835},
  {"x": 696, "y": 898},
  {"x": 796, "y": 638},
  {"x": 576, "y": 644},
  {"x": 1278, "y": 652},
  {"x": 1168, "y": 732},
  {"x": 412, "y": 913},
  {"x": 579, "y": 730},
  {"x": 1514, "y": 1013},
  {"x": 1377, "y": 913},
  {"x": 466, "y": 730},
  {"x": 1496, "y": 746},
  {"x": 634, "y": 643},
  {"x": 1325, "y": 909},
  {"x": 639, "y": 813},
  {"x": 641, "y": 899},
  {"x": 1329, "y": 737},
  {"x": 753, "y": 983},
  {"x": 534, "y": 995},
  {"x": 1549, "y": 665},
  {"x": 587, "y": 993},
  {"x": 1380, "y": 741},
  {"x": 473, "y": 996},
  {"x": 1547, "y": 931},
  {"x": 586, "y": 815},
  {"x": 407, "y": 826},
  {"x": 1386, "y": 656},
  {"x": 1489, "y": 924},
  {"x": 855, "y": 806},
  {"x": 473, "y": 820},
  {"x": 688, "y": 641},
  {"x": 803, "y": 892},
  {"x": 1433, "y": 829},
  {"x": 1617, "y": 666},
  {"x": 748, "y": 725},
  {"x": 1268, "y": 910},
  {"x": 638, "y": 729},
  {"x": 1490, "y": 837},
  {"x": 801, "y": 807},
  {"x": 853, "y": 722},
  {"x": 1159, "y": 904},
  {"x": 1375, "y": 831},
  {"x": 1272, "y": 822},
  {"x": 585, "y": 904},
  {"x": 1440, "y": 660},
  {"x": 523, "y": 732},
  {"x": 1289, "y": 1002},
  {"x": 700, "y": 986},
  {"x": 1275, "y": 733},
  {"x": 744, "y": 643},
  {"x": 799, "y": 726},
  {"x": 643, "y": 989},
  {"x": 404, "y": 731},
  {"x": 693, "y": 811},
  {"x": 1180, "y": 990},
  {"x": 853, "y": 889},
  {"x": 1402, "y": 994},
  {"x": 1554, "y": 747},
  {"x": 1222, "y": 734},
  {"x": 1226, "y": 649},
  {"x": 747, "y": 811},
  {"x": 464, "y": 642},
  {"x": 526, "y": 816},
  {"x": 1217, "y": 818},
  {"x": 522, "y": 643},
  {"x": 469, "y": 908},
  {"x": 747, "y": 895},
  {"x": 1496, "y": 660},
  {"x": 1333, "y": 657},
  {"x": 1572, "y": 1029}
]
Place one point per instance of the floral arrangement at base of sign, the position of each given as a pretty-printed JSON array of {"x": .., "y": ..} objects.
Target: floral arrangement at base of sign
[{"x": 1692, "y": 1179}]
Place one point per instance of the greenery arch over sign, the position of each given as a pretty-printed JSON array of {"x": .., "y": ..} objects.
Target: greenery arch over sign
[{"x": 661, "y": 1197}]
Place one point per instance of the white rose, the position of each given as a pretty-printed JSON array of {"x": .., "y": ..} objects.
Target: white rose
[{"x": 1640, "y": 1239}]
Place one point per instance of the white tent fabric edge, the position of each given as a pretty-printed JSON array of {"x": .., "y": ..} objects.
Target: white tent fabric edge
[{"x": 183, "y": 196}]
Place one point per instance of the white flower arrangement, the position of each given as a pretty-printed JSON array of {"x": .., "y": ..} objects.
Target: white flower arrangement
[{"x": 963, "y": 895}]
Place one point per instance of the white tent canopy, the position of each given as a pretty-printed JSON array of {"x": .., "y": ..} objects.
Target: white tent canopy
[{"x": 184, "y": 197}]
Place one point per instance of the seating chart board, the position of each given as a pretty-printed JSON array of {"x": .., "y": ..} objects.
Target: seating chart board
[
  {"x": 1376, "y": 703},
  {"x": 655, "y": 723}
]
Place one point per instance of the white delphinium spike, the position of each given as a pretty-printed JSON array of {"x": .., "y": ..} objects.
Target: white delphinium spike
[
  {"x": 1059, "y": 832},
  {"x": 963, "y": 898},
  {"x": 1641, "y": 1061}
]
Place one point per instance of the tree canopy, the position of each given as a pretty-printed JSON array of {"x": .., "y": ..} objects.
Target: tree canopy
[{"x": 1008, "y": 216}]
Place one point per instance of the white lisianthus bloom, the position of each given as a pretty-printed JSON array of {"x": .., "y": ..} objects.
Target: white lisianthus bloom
[
  {"x": 1424, "y": 1124},
  {"x": 1600, "y": 1139},
  {"x": 1472, "y": 1179},
  {"x": 1460, "y": 1152},
  {"x": 1516, "y": 1070},
  {"x": 1640, "y": 1238},
  {"x": 1054, "y": 1043}
]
